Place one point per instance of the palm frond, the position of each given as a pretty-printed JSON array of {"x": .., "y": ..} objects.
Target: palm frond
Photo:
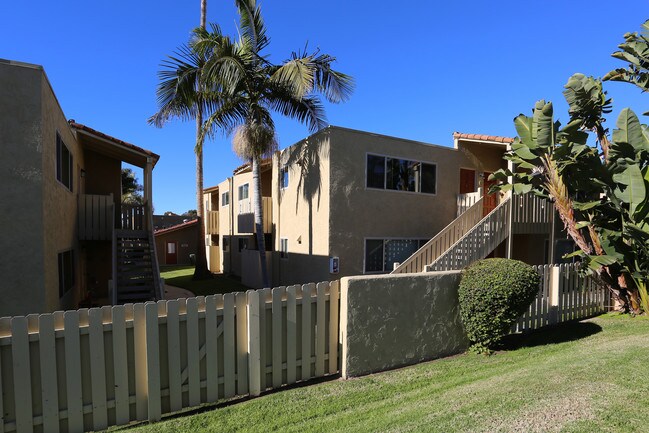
[
  {"x": 307, "y": 110},
  {"x": 252, "y": 24}
]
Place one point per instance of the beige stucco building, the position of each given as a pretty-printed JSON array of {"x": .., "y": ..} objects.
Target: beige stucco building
[
  {"x": 344, "y": 202},
  {"x": 59, "y": 200}
]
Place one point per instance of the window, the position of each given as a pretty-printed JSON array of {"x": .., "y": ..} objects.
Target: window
[
  {"x": 64, "y": 163},
  {"x": 283, "y": 248},
  {"x": 401, "y": 174},
  {"x": 243, "y": 244},
  {"x": 283, "y": 178},
  {"x": 66, "y": 272},
  {"x": 225, "y": 198},
  {"x": 243, "y": 192},
  {"x": 382, "y": 254}
]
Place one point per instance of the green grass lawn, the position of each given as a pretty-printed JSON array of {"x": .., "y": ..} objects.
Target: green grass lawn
[
  {"x": 181, "y": 276},
  {"x": 579, "y": 377}
]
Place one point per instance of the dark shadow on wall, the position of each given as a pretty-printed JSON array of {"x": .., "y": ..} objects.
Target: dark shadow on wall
[{"x": 306, "y": 155}]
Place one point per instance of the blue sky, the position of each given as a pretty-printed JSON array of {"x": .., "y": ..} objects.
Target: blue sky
[{"x": 423, "y": 69}]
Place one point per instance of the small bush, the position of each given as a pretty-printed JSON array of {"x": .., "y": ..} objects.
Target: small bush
[{"x": 493, "y": 294}]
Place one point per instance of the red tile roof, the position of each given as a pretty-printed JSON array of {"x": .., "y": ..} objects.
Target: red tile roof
[
  {"x": 482, "y": 137},
  {"x": 176, "y": 227},
  {"x": 88, "y": 129},
  {"x": 242, "y": 167}
]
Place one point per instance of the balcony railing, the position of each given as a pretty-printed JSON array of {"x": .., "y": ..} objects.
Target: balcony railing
[
  {"x": 212, "y": 222},
  {"x": 133, "y": 217},
  {"x": 246, "y": 220},
  {"x": 96, "y": 217}
]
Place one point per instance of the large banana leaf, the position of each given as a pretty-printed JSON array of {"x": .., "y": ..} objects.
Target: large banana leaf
[{"x": 631, "y": 187}]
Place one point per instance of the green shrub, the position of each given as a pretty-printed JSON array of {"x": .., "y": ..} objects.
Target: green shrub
[{"x": 493, "y": 294}]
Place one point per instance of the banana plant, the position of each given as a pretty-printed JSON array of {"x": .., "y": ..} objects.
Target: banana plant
[{"x": 600, "y": 192}]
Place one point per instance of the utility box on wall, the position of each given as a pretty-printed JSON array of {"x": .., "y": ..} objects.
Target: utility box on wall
[{"x": 334, "y": 265}]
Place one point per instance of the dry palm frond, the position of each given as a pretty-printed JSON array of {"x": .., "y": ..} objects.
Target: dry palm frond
[
  {"x": 558, "y": 191},
  {"x": 252, "y": 140}
]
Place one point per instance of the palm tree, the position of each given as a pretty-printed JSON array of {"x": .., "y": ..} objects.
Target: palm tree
[
  {"x": 250, "y": 87},
  {"x": 180, "y": 95}
]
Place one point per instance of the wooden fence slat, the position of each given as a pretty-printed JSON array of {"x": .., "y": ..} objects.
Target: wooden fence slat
[
  {"x": 98, "y": 369},
  {"x": 139, "y": 338},
  {"x": 49, "y": 380},
  {"x": 193, "y": 359},
  {"x": 277, "y": 370},
  {"x": 173, "y": 354},
  {"x": 211, "y": 349},
  {"x": 263, "y": 340},
  {"x": 306, "y": 330},
  {"x": 320, "y": 329},
  {"x": 242, "y": 345},
  {"x": 229, "y": 353},
  {"x": 254, "y": 371},
  {"x": 22, "y": 374},
  {"x": 154, "y": 403},
  {"x": 291, "y": 334},
  {"x": 333, "y": 327},
  {"x": 120, "y": 366},
  {"x": 73, "y": 371}
]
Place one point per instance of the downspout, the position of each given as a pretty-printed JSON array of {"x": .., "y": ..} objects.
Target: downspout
[
  {"x": 278, "y": 179},
  {"x": 231, "y": 193}
]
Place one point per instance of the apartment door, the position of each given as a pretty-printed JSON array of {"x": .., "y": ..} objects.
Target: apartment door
[
  {"x": 490, "y": 201},
  {"x": 171, "y": 256},
  {"x": 467, "y": 180}
]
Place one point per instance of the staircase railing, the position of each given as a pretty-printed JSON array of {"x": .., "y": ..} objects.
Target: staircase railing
[
  {"x": 442, "y": 241},
  {"x": 465, "y": 201},
  {"x": 478, "y": 242}
]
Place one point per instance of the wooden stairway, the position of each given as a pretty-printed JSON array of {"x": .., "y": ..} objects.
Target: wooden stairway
[{"x": 136, "y": 276}]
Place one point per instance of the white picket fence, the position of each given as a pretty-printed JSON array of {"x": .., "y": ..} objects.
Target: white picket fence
[
  {"x": 564, "y": 294},
  {"x": 86, "y": 369}
]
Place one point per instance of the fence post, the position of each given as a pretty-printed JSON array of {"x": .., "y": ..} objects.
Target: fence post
[
  {"x": 254, "y": 360},
  {"x": 553, "y": 312}
]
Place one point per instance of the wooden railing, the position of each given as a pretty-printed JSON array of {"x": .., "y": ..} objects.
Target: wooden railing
[
  {"x": 133, "y": 217},
  {"x": 246, "y": 220},
  {"x": 88, "y": 369},
  {"x": 564, "y": 294},
  {"x": 465, "y": 201},
  {"x": 96, "y": 217},
  {"x": 212, "y": 222},
  {"x": 442, "y": 241},
  {"x": 478, "y": 242},
  {"x": 531, "y": 214}
]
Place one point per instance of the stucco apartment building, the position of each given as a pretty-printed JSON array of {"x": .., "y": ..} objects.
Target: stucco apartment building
[
  {"x": 61, "y": 223},
  {"x": 344, "y": 202}
]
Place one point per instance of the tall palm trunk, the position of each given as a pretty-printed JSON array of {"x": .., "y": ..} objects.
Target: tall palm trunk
[
  {"x": 259, "y": 218},
  {"x": 201, "y": 271}
]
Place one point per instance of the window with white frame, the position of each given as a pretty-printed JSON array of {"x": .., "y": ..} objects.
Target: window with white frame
[
  {"x": 283, "y": 178},
  {"x": 382, "y": 254},
  {"x": 283, "y": 248},
  {"x": 225, "y": 198},
  {"x": 383, "y": 172},
  {"x": 243, "y": 192},
  {"x": 64, "y": 163}
]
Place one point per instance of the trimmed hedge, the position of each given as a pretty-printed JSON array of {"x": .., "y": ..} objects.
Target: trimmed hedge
[{"x": 493, "y": 294}]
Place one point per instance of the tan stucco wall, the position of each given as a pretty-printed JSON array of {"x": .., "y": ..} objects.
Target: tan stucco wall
[
  {"x": 358, "y": 212},
  {"x": 301, "y": 212},
  {"x": 59, "y": 204},
  {"x": 391, "y": 321},
  {"x": 21, "y": 176}
]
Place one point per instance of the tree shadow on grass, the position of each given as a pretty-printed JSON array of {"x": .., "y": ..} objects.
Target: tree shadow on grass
[{"x": 563, "y": 333}]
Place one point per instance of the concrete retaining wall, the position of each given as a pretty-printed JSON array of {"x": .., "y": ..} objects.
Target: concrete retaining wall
[{"x": 390, "y": 321}]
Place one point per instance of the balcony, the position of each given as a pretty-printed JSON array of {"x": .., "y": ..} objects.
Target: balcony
[
  {"x": 212, "y": 222},
  {"x": 246, "y": 217},
  {"x": 96, "y": 217}
]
